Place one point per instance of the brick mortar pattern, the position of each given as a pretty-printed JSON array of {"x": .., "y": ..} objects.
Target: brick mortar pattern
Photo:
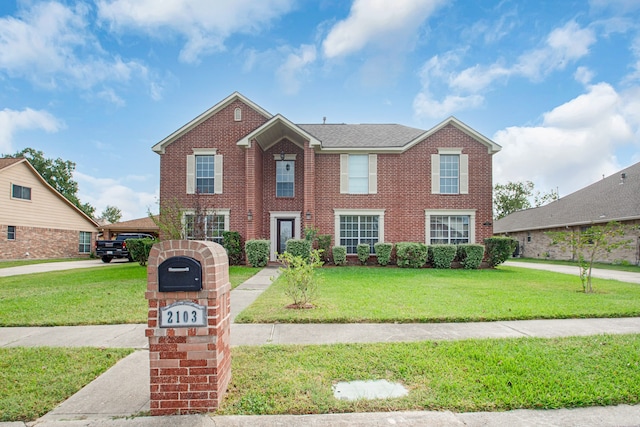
[
  {"x": 37, "y": 242},
  {"x": 190, "y": 368}
]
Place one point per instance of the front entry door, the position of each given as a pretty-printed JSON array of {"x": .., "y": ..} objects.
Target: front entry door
[{"x": 285, "y": 232}]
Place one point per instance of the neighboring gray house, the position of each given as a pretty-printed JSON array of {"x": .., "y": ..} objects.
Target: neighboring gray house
[{"x": 615, "y": 198}]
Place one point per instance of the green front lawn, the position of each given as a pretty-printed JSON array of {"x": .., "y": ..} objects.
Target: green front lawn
[
  {"x": 360, "y": 294},
  {"x": 35, "y": 380},
  {"x": 470, "y": 375},
  {"x": 111, "y": 294}
]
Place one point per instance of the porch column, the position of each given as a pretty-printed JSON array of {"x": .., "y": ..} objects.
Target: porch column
[
  {"x": 250, "y": 192},
  {"x": 309, "y": 214}
]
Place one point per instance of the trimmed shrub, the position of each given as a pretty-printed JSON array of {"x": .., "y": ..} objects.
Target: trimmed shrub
[
  {"x": 232, "y": 243},
  {"x": 324, "y": 244},
  {"x": 441, "y": 256},
  {"x": 470, "y": 255},
  {"x": 363, "y": 250},
  {"x": 383, "y": 252},
  {"x": 299, "y": 247},
  {"x": 257, "y": 252},
  {"x": 339, "y": 255},
  {"x": 499, "y": 249},
  {"x": 410, "y": 254},
  {"x": 139, "y": 249}
]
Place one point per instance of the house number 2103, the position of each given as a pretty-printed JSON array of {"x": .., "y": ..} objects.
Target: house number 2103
[{"x": 183, "y": 314}]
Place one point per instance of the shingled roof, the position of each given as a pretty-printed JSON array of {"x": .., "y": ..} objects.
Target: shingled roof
[
  {"x": 615, "y": 198},
  {"x": 362, "y": 135}
]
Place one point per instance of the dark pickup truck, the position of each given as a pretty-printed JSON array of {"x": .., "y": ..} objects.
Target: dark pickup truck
[{"x": 110, "y": 249}]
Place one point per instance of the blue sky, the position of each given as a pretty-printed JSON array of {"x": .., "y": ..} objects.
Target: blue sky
[{"x": 556, "y": 83}]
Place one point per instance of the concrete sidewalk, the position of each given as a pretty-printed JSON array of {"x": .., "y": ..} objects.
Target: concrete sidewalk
[{"x": 123, "y": 391}]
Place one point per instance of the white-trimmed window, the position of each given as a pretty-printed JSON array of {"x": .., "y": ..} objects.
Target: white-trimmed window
[
  {"x": 354, "y": 227},
  {"x": 207, "y": 226},
  {"x": 285, "y": 177},
  {"x": 450, "y": 226},
  {"x": 204, "y": 172},
  {"x": 237, "y": 114},
  {"x": 358, "y": 173},
  {"x": 84, "y": 245},
  {"x": 20, "y": 192},
  {"x": 449, "y": 172}
]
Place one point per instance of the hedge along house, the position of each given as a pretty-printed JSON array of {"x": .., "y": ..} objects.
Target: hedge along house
[
  {"x": 269, "y": 178},
  {"x": 614, "y": 198},
  {"x": 36, "y": 221}
]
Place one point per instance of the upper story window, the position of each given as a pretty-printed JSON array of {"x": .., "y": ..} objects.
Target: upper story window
[
  {"x": 450, "y": 172},
  {"x": 204, "y": 172},
  {"x": 20, "y": 192},
  {"x": 358, "y": 173},
  {"x": 285, "y": 176},
  {"x": 237, "y": 114}
]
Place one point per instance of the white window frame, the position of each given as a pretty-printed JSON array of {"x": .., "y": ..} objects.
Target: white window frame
[
  {"x": 82, "y": 242},
  {"x": 463, "y": 170},
  {"x": 217, "y": 169},
  {"x": 337, "y": 213},
  {"x": 372, "y": 174},
  {"x": 287, "y": 158},
  {"x": 217, "y": 212},
  {"x": 22, "y": 187},
  {"x": 471, "y": 213}
]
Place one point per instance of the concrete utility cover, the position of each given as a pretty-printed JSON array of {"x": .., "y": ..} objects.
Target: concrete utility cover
[{"x": 379, "y": 389}]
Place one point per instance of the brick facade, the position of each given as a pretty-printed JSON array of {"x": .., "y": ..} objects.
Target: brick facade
[
  {"x": 403, "y": 177},
  {"x": 190, "y": 368},
  {"x": 41, "y": 243}
]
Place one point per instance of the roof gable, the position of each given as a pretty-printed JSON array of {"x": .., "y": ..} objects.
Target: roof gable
[
  {"x": 276, "y": 129},
  {"x": 5, "y": 164},
  {"x": 160, "y": 146}
]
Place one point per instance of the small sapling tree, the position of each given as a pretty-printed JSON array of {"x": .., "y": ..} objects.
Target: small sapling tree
[
  {"x": 587, "y": 244},
  {"x": 299, "y": 275}
]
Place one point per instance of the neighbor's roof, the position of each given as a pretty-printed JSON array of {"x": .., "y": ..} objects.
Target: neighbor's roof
[{"x": 611, "y": 199}]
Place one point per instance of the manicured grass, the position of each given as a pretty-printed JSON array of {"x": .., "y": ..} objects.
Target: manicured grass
[
  {"x": 471, "y": 375},
  {"x": 34, "y": 380},
  {"x": 617, "y": 267},
  {"x": 7, "y": 264},
  {"x": 103, "y": 295},
  {"x": 356, "y": 294}
]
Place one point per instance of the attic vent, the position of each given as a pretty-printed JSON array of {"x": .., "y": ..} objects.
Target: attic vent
[{"x": 237, "y": 114}]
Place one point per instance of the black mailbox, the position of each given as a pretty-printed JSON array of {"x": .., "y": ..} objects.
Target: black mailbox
[{"x": 179, "y": 273}]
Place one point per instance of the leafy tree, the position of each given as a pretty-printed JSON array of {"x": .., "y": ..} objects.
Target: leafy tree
[
  {"x": 516, "y": 196},
  {"x": 587, "y": 244},
  {"x": 111, "y": 214},
  {"x": 58, "y": 173}
]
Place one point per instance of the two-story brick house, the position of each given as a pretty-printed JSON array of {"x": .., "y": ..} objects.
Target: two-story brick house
[{"x": 267, "y": 177}]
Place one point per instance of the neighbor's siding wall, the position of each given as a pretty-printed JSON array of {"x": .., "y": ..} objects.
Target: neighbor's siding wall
[{"x": 46, "y": 226}]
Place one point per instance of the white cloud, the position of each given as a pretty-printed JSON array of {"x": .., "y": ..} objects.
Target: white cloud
[
  {"x": 103, "y": 192},
  {"x": 50, "y": 44},
  {"x": 464, "y": 89},
  {"x": 563, "y": 45},
  {"x": 379, "y": 23},
  {"x": 295, "y": 67},
  {"x": 573, "y": 146},
  {"x": 12, "y": 121},
  {"x": 205, "y": 25}
]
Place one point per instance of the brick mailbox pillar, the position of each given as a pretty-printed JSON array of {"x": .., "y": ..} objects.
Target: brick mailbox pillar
[{"x": 188, "y": 326}]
